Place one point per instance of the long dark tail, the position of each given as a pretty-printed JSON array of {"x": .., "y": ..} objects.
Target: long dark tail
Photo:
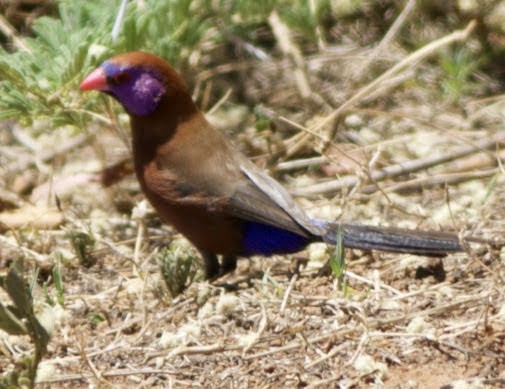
[{"x": 429, "y": 243}]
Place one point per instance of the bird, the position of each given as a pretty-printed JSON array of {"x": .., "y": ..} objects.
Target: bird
[{"x": 202, "y": 185}]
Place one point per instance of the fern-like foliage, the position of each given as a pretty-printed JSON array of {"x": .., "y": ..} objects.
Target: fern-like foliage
[{"x": 41, "y": 83}]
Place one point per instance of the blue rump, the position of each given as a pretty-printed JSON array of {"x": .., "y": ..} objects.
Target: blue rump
[{"x": 262, "y": 239}]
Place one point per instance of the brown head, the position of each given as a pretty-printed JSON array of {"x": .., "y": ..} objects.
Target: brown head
[{"x": 138, "y": 80}]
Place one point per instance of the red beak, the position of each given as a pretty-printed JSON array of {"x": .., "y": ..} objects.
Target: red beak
[{"x": 96, "y": 80}]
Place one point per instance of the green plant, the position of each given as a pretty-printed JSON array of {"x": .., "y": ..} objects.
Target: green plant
[
  {"x": 58, "y": 281},
  {"x": 82, "y": 243},
  {"x": 41, "y": 82},
  {"x": 459, "y": 66},
  {"x": 178, "y": 266},
  {"x": 19, "y": 318},
  {"x": 337, "y": 261},
  {"x": 95, "y": 318}
]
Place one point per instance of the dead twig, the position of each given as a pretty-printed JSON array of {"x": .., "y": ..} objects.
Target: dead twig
[
  {"x": 334, "y": 351},
  {"x": 428, "y": 182},
  {"x": 10, "y": 32},
  {"x": 50, "y": 154},
  {"x": 107, "y": 374},
  {"x": 193, "y": 350},
  {"x": 286, "y": 294},
  {"x": 372, "y": 324},
  {"x": 392, "y": 32},
  {"x": 40, "y": 258},
  {"x": 283, "y": 36},
  {"x": 411, "y": 60},
  {"x": 401, "y": 168}
]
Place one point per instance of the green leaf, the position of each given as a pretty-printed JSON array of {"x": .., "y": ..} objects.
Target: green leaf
[
  {"x": 337, "y": 261},
  {"x": 18, "y": 292},
  {"x": 95, "y": 318},
  {"x": 58, "y": 281},
  {"x": 10, "y": 323}
]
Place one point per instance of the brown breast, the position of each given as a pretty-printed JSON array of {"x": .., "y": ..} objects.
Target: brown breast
[{"x": 199, "y": 218}]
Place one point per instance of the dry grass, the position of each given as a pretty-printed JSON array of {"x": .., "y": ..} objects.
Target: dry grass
[{"x": 408, "y": 321}]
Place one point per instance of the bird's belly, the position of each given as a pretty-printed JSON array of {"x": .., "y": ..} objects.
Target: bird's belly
[{"x": 210, "y": 231}]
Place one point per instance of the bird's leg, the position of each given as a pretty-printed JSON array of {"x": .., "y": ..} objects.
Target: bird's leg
[
  {"x": 212, "y": 268},
  {"x": 228, "y": 264}
]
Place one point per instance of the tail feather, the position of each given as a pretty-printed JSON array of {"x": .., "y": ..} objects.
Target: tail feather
[{"x": 429, "y": 243}]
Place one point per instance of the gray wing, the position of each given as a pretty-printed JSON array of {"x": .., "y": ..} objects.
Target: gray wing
[
  {"x": 278, "y": 195},
  {"x": 247, "y": 193},
  {"x": 250, "y": 203}
]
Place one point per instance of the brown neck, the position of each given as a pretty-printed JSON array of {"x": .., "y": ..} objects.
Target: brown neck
[{"x": 151, "y": 132}]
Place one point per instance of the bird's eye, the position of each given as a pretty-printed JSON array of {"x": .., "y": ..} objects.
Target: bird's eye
[{"x": 119, "y": 78}]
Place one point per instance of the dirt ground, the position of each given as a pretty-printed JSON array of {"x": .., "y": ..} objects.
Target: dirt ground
[{"x": 405, "y": 156}]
